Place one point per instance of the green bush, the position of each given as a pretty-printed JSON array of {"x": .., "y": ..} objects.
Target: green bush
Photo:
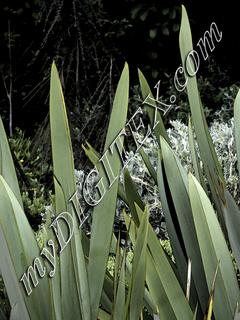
[{"x": 32, "y": 174}]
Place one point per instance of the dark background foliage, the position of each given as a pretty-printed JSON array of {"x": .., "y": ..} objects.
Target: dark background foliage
[{"x": 90, "y": 40}]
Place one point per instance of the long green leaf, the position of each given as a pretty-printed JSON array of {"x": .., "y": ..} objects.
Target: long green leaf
[
  {"x": 160, "y": 128},
  {"x": 207, "y": 152},
  {"x": 174, "y": 233},
  {"x": 139, "y": 269},
  {"x": 104, "y": 212},
  {"x": 148, "y": 164},
  {"x": 74, "y": 281},
  {"x": 7, "y": 169},
  {"x": 177, "y": 181},
  {"x": 237, "y": 127},
  {"x": 119, "y": 304},
  {"x": 163, "y": 285},
  {"x": 214, "y": 250},
  {"x": 232, "y": 220},
  {"x": 18, "y": 250},
  {"x": 194, "y": 155}
]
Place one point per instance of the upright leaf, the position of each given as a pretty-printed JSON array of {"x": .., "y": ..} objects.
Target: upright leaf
[
  {"x": 18, "y": 250},
  {"x": 153, "y": 114},
  {"x": 119, "y": 305},
  {"x": 163, "y": 285},
  {"x": 177, "y": 181},
  {"x": 7, "y": 169},
  {"x": 237, "y": 127},
  {"x": 104, "y": 212},
  {"x": 214, "y": 251},
  {"x": 194, "y": 155},
  {"x": 207, "y": 151},
  {"x": 139, "y": 269},
  {"x": 74, "y": 281}
]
